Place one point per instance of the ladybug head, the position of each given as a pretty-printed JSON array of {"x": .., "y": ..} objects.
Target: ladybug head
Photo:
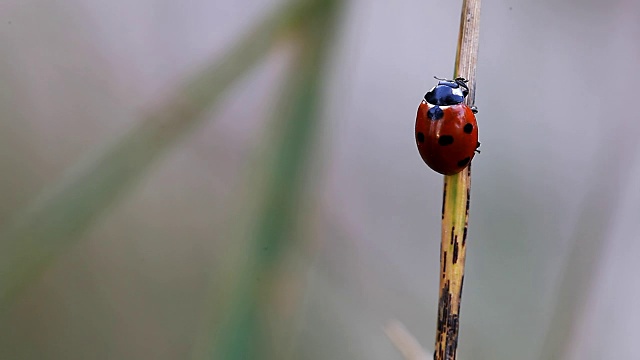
[{"x": 448, "y": 92}]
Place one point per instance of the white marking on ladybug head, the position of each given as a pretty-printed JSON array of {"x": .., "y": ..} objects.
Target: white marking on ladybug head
[
  {"x": 443, "y": 107},
  {"x": 458, "y": 91}
]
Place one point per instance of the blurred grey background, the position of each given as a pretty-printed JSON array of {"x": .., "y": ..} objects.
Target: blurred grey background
[{"x": 553, "y": 240}]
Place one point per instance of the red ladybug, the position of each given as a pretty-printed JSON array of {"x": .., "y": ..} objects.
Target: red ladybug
[{"x": 446, "y": 128}]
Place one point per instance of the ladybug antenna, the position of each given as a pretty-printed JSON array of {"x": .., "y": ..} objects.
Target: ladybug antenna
[
  {"x": 458, "y": 79},
  {"x": 437, "y": 78},
  {"x": 462, "y": 82}
]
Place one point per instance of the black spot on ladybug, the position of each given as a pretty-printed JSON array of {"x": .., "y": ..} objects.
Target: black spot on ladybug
[
  {"x": 445, "y": 140},
  {"x": 435, "y": 113},
  {"x": 420, "y": 137},
  {"x": 464, "y": 162},
  {"x": 468, "y": 128}
]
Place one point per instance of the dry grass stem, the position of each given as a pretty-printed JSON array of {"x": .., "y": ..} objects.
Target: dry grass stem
[
  {"x": 404, "y": 341},
  {"x": 456, "y": 196}
]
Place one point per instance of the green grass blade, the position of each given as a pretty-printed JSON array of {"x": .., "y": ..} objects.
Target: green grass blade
[
  {"x": 57, "y": 219},
  {"x": 242, "y": 330}
]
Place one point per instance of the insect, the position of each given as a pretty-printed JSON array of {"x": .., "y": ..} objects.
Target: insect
[{"x": 446, "y": 128}]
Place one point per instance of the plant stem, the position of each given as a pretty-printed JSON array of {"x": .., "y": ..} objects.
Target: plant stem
[{"x": 455, "y": 205}]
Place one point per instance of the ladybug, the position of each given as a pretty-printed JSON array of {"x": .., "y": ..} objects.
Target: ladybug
[{"x": 446, "y": 128}]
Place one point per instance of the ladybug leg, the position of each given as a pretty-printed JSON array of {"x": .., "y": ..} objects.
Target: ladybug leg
[
  {"x": 477, "y": 146},
  {"x": 475, "y": 111}
]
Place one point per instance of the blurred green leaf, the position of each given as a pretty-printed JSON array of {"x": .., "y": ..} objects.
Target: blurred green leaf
[
  {"x": 246, "y": 330},
  {"x": 58, "y": 218}
]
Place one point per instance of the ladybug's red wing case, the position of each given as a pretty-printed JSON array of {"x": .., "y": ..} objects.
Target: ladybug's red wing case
[{"x": 447, "y": 136}]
